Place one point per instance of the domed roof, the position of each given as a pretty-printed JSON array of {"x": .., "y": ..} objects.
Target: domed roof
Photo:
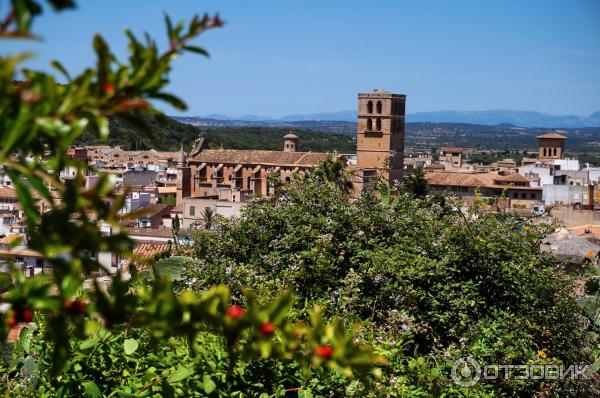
[{"x": 290, "y": 135}]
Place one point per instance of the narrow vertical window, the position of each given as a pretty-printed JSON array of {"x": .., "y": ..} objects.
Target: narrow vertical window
[
  {"x": 370, "y": 107},
  {"x": 379, "y": 107}
]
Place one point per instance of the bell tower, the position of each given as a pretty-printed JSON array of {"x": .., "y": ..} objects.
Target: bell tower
[
  {"x": 551, "y": 146},
  {"x": 290, "y": 142},
  {"x": 380, "y": 135}
]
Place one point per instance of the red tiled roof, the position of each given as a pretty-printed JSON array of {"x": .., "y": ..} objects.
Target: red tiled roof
[
  {"x": 480, "y": 180},
  {"x": 551, "y": 135},
  {"x": 8, "y": 193},
  {"x": 259, "y": 157},
  {"x": 451, "y": 149},
  {"x": 145, "y": 251},
  {"x": 149, "y": 211},
  {"x": 167, "y": 189},
  {"x": 149, "y": 249},
  {"x": 460, "y": 179},
  {"x": 150, "y": 232},
  {"x": 515, "y": 177},
  {"x": 8, "y": 239}
]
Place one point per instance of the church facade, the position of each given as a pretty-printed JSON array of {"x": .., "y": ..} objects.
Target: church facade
[{"x": 236, "y": 175}]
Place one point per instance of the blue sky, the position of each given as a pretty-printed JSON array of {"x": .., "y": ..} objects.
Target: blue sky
[{"x": 303, "y": 56}]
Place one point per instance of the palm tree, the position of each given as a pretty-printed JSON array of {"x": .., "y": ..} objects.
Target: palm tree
[
  {"x": 334, "y": 171},
  {"x": 207, "y": 217},
  {"x": 416, "y": 184},
  {"x": 175, "y": 227}
]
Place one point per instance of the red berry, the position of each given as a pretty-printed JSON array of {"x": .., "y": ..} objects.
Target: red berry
[
  {"x": 75, "y": 307},
  {"x": 235, "y": 311},
  {"x": 24, "y": 315},
  {"x": 324, "y": 351},
  {"x": 109, "y": 88},
  {"x": 267, "y": 328}
]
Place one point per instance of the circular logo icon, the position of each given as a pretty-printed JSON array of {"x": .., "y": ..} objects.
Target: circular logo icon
[{"x": 465, "y": 372}]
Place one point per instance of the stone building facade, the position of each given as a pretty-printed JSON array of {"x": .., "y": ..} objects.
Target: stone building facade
[
  {"x": 236, "y": 175},
  {"x": 109, "y": 157},
  {"x": 380, "y": 135}
]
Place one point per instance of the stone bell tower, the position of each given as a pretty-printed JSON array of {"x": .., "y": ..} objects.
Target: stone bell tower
[
  {"x": 551, "y": 146},
  {"x": 290, "y": 142},
  {"x": 380, "y": 135},
  {"x": 184, "y": 177}
]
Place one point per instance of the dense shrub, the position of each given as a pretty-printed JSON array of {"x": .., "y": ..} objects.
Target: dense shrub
[{"x": 444, "y": 284}]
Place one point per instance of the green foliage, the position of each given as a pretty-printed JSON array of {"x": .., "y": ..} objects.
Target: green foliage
[
  {"x": 139, "y": 130},
  {"x": 272, "y": 138},
  {"x": 416, "y": 183},
  {"x": 116, "y": 339},
  {"x": 434, "y": 282},
  {"x": 131, "y": 362}
]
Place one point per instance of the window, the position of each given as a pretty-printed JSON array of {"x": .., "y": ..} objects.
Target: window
[
  {"x": 544, "y": 151},
  {"x": 369, "y": 124},
  {"x": 554, "y": 151},
  {"x": 370, "y": 107},
  {"x": 379, "y": 107},
  {"x": 515, "y": 195},
  {"x": 523, "y": 195},
  {"x": 532, "y": 196},
  {"x": 378, "y": 124},
  {"x": 192, "y": 210}
]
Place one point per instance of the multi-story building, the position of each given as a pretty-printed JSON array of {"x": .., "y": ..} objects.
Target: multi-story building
[{"x": 451, "y": 156}]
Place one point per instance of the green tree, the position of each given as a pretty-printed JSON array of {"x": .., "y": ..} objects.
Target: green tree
[
  {"x": 207, "y": 216},
  {"x": 87, "y": 339},
  {"x": 333, "y": 171},
  {"x": 176, "y": 224},
  {"x": 421, "y": 281},
  {"x": 416, "y": 183}
]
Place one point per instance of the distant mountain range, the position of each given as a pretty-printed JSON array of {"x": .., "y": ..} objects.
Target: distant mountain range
[{"x": 491, "y": 117}]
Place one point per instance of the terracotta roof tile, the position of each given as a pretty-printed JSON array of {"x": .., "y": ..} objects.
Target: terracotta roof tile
[
  {"x": 551, "y": 135},
  {"x": 150, "y": 232},
  {"x": 168, "y": 189},
  {"x": 451, "y": 149},
  {"x": 259, "y": 157},
  {"x": 8, "y": 193},
  {"x": 8, "y": 239},
  {"x": 460, "y": 179},
  {"x": 457, "y": 179},
  {"x": 515, "y": 177},
  {"x": 145, "y": 251}
]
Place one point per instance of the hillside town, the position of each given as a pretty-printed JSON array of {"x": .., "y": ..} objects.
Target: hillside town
[{"x": 171, "y": 194}]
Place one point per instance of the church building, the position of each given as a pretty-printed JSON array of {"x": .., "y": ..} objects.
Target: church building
[{"x": 236, "y": 175}]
